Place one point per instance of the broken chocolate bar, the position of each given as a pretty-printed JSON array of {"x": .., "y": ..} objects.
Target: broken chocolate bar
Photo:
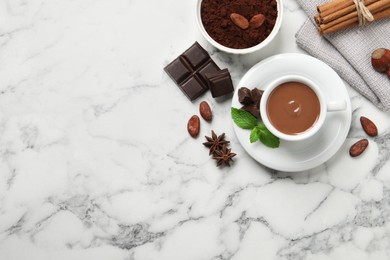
[
  {"x": 189, "y": 71},
  {"x": 220, "y": 83}
]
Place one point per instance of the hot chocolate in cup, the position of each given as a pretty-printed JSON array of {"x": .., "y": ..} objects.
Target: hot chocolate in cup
[{"x": 294, "y": 108}]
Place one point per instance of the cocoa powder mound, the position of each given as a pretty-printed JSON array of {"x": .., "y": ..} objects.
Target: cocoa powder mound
[{"x": 216, "y": 20}]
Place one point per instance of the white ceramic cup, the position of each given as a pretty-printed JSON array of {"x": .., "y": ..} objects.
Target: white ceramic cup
[{"x": 325, "y": 107}]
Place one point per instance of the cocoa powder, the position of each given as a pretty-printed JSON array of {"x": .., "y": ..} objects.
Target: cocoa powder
[{"x": 216, "y": 20}]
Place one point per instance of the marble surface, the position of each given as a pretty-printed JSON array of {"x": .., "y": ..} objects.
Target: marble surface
[{"x": 96, "y": 163}]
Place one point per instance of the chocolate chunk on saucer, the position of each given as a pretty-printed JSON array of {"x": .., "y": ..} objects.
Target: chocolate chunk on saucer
[
  {"x": 254, "y": 109},
  {"x": 256, "y": 95},
  {"x": 244, "y": 96}
]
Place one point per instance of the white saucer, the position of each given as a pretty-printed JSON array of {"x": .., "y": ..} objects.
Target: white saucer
[{"x": 307, "y": 154}]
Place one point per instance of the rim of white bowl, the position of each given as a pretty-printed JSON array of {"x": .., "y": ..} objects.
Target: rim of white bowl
[{"x": 271, "y": 36}]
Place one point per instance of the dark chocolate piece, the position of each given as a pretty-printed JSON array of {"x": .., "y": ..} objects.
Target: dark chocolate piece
[
  {"x": 256, "y": 95},
  {"x": 196, "y": 55},
  {"x": 253, "y": 109},
  {"x": 192, "y": 87},
  {"x": 210, "y": 67},
  {"x": 220, "y": 83},
  {"x": 189, "y": 71},
  {"x": 244, "y": 96}
]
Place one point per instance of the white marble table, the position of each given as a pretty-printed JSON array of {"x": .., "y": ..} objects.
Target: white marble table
[{"x": 96, "y": 162}]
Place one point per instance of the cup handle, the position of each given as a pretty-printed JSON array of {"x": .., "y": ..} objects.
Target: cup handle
[{"x": 336, "y": 105}]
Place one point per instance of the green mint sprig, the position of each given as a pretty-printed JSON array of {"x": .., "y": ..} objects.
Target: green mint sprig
[
  {"x": 246, "y": 120},
  {"x": 260, "y": 132},
  {"x": 243, "y": 119}
]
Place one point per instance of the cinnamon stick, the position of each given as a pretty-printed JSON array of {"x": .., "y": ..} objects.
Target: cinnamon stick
[
  {"x": 337, "y": 13},
  {"x": 317, "y": 19},
  {"x": 332, "y": 5},
  {"x": 373, "y": 8},
  {"x": 353, "y": 22}
]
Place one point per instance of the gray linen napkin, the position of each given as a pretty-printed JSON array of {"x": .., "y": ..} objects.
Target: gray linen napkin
[{"x": 348, "y": 52}]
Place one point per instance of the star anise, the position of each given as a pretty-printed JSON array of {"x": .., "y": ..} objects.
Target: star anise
[
  {"x": 215, "y": 142},
  {"x": 224, "y": 156}
]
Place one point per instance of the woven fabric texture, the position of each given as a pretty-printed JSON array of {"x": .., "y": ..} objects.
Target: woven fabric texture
[{"x": 348, "y": 52}]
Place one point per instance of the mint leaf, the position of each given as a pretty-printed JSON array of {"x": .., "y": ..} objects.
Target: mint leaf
[
  {"x": 243, "y": 119},
  {"x": 246, "y": 120},
  {"x": 266, "y": 137},
  {"x": 254, "y": 135}
]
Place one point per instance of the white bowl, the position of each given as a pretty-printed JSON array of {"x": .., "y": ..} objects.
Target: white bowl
[{"x": 255, "y": 48}]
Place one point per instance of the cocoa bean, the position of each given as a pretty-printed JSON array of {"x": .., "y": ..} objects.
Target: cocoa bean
[
  {"x": 256, "y": 21},
  {"x": 205, "y": 111},
  {"x": 358, "y": 148},
  {"x": 368, "y": 126},
  {"x": 239, "y": 20},
  {"x": 193, "y": 126}
]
